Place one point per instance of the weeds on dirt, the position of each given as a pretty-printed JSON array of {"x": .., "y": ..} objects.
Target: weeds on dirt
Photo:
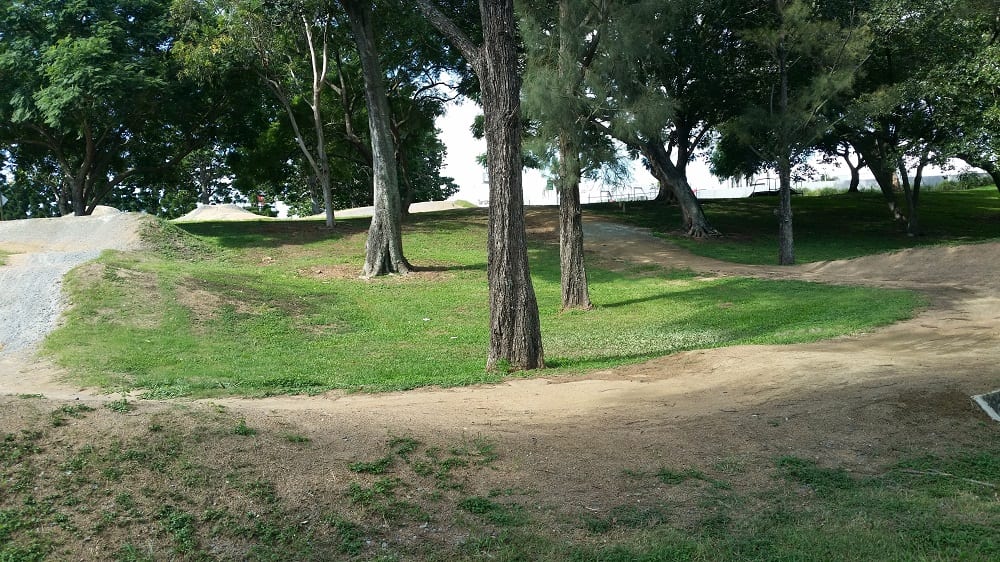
[{"x": 169, "y": 494}]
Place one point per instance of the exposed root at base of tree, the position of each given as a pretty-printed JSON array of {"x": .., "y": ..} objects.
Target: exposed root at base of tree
[
  {"x": 702, "y": 231},
  {"x": 387, "y": 268}
]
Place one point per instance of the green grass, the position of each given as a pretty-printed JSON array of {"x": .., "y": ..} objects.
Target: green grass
[
  {"x": 276, "y": 307},
  {"x": 827, "y": 227},
  {"x": 3, "y": 257}
]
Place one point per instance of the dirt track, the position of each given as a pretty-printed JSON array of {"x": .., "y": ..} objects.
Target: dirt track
[{"x": 853, "y": 401}]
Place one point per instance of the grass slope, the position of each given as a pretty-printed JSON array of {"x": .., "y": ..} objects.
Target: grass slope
[
  {"x": 827, "y": 227},
  {"x": 276, "y": 307}
]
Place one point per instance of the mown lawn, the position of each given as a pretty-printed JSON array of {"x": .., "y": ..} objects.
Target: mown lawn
[
  {"x": 276, "y": 307},
  {"x": 827, "y": 227}
]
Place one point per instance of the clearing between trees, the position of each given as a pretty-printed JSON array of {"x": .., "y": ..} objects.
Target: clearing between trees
[{"x": 685, "y": 456}]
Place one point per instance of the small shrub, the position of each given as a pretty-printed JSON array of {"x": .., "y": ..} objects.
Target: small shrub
[{"x": 244, "y": 430}]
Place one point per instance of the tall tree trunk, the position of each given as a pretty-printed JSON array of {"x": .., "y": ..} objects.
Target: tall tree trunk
[
  {"x": 384, "y": 248},
  {"x": 515, "y": 330},
  {"x": 695, "y": 223},
  {"x": 572, "y": 270},
  {"x": 786, "y": 240},
  {"x": 912, "y": 194}
]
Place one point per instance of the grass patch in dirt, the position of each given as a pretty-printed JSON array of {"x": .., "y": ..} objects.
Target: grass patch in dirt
[
  {"x": 277, "y": 307},
  {"x": 3, "y": 257},
  {"x": 97, "y": 488},
  {"x": 827, "y": 227}
]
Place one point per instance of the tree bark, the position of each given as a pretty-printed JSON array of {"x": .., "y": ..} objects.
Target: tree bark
[
  {"x": 786, "y": 240},
  {"x": 572, "y": 269},
  {"x": 573, "y": 272},
  {"x": 855, "y": 178},
  {"x": 384, "y": 248},
  {"x": 695, "y": 224},
  {"x": 515, "y": 330},
  {"x": 912, "y": 194},
  {"x": 884, "y": 172}
]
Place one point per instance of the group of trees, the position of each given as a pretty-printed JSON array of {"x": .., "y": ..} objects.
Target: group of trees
[{"x": 154, "y": 104}]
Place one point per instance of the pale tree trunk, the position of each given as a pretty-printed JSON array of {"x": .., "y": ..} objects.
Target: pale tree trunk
[
  {"x": 384, "y": 248},
  {"x": 515, "y": 330},
  {"x": 572, "y": 270}
]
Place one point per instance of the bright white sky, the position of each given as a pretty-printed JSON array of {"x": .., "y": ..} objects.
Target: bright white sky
[{"x": 463, "y": 149}]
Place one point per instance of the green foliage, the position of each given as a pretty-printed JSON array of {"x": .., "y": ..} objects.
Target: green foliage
[
  {"x": 93, "y": 98},
  {"x": 496, "y": 513},
  {"x": 379, "y": 466},
  {"x": 286, "y": 290},
  {"x": 244, "y": 430},
  {"x": 122, "y": 406}
]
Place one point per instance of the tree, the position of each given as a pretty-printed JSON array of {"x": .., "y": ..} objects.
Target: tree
[
  {"x": 384, "y": 248},
  {"x": 515, "y": 331},
  {"x": 663, "y": 89},
  {"x": 561, "y": 45},
  {"x": 278, "y": 38},
  {"x": 809, "y": 61},
  {"x": 94, "y": 86}
]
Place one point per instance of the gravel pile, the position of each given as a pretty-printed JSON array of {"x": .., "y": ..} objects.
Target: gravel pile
[{"x": 31, "y": 298}]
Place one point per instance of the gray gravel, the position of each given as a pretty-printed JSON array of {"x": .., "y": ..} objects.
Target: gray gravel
[{"x": 31, "y": 298}]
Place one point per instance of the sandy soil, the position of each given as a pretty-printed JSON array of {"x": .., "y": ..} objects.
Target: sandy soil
[{"x": 855, "y": 401}]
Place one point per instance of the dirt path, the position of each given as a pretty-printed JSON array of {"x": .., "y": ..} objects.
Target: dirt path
[{"x": 854, "y": 401}]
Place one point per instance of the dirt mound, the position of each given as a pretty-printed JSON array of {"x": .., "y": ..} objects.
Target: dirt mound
[
  {"x": 107, "y": 228},
  {"x": 45, "y": 250},
  {"x": 227, "y": 212},
  {"x": 425, "y": 207}
]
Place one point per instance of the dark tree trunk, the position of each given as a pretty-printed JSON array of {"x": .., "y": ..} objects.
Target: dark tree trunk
[
  {"x": 666, "y": 193},
  {"x": 884, "y": 171},
  {"x": 573, "y": 272},
  {"x": 855, "y": 179},
  {"x": 912, "y": 195},
  {"x": 384, "y": 248},
  {"x": 515, "y": 330},
  {"x": 786, "y": 240},
  {"x": 695, "y": 223},
  {"x": 985, "y": 165}
]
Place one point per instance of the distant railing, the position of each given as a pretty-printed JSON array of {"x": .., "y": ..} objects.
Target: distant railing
[{"x": 622, "y": 195}]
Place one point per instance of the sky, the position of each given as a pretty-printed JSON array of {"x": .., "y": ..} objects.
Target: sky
[{"x": 463, "y": 149}]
